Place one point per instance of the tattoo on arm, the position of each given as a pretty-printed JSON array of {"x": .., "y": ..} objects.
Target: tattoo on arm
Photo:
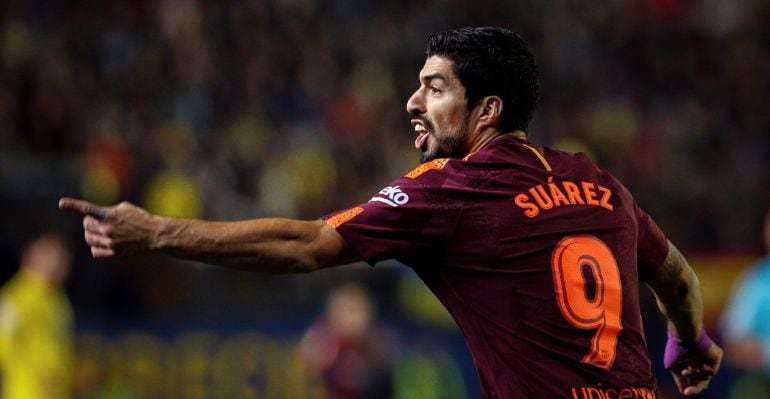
[
  {"x": 677, "y": 290},
  {"x": 674, "y": 263}
]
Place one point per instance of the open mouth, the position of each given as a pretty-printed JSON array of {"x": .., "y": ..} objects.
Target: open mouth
[{"x": 421, "y": 142}]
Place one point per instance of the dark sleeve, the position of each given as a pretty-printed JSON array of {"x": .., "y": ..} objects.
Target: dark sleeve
[
  {"x": 408, "y": 218},
  {"x": 652, "y": 245}
]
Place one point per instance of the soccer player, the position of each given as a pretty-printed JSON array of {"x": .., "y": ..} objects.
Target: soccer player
[
  {"x": 36, "y": 324},
  {"x": 536, "y": 253},
  {"x": 745, "y": 321}
]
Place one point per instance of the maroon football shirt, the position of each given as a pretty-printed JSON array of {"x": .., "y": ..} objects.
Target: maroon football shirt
[{"x": 537, "y": 254}]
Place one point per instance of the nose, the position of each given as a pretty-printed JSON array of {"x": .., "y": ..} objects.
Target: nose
[{"x": 416, "y": 103}]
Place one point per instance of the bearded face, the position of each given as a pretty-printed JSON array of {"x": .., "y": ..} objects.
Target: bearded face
[{"x": 439, "y": 112}]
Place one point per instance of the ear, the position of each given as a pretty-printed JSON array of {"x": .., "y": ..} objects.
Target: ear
[{"x": 489, "y": 109}]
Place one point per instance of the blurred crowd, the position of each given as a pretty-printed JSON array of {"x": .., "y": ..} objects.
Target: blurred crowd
[{"x": 296, "y": 108}]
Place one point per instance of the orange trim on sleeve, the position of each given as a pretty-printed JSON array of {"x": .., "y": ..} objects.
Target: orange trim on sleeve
[
  {"x": 343, "y": 217},
  {"x": 436, "y": 164}
]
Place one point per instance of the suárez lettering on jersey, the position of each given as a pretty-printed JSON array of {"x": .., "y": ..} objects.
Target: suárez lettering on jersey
[
  {"x": 393, "y": 196},
  {"x": 548, "y": 196}
]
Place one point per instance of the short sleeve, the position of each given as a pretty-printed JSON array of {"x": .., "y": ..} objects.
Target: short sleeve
[
  {"x": 652, "y": 245},
  {"x": 409, "y": 218}
]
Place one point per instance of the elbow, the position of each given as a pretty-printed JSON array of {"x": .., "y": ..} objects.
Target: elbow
[
  {"x": 320, "y": 249},
  {"x": 675, "y": 275},
  {"x": 675, "y": 287},
  {"x": 304, "y": 257},
  {"x": 317, "y": 247}
]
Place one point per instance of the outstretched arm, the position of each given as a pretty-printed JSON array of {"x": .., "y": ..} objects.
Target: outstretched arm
[
  {"x": 691, "y": 356},
  {"x": 259, "y": 245}
]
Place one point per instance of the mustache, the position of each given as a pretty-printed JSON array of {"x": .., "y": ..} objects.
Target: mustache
[{"x": 424, "y": 119}]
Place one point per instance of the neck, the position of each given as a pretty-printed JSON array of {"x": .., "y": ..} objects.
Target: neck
[{"x": 487, "y": 136}]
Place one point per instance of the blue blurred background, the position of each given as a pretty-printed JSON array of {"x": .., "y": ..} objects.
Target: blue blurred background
[{"x": 239, "y": 109}]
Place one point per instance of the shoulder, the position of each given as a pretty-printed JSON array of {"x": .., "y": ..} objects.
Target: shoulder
[
  {"x": 758, "y": 272},
  {"x": 438, "y": 175},
  {"x": 428, "y": 185},
  {"x": 436, "y": 164},
  {"x": 755, "y": 279}
]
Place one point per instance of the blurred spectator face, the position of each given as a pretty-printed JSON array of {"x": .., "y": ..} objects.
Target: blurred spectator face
[
  {"x": 350, "y": 311},
  {"x": 440, "y": 111},
  {"x": 49, "y": 257}
]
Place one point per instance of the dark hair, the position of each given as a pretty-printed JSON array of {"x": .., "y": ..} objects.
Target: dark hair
[{"x": 492, "y": 61}]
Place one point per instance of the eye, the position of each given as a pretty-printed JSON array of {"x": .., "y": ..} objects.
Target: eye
[{"x": 434, "y": 90}]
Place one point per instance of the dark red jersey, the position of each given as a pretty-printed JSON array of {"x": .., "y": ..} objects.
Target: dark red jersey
[{"x": 537, "y": 254}]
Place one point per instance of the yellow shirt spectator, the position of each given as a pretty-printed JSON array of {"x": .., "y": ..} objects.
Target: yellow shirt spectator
[{"x": 36, "y": 335}]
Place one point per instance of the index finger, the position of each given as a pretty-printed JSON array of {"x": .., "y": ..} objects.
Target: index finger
[{"x": 83, "y": 207}]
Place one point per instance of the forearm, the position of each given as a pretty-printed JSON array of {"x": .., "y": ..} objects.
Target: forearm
[
  {"x": 678, "y": 293},
  {"x": 260, "y": 245},
  {"x": 690, "y": 355}
]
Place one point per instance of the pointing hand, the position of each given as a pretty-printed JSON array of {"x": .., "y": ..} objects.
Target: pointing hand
[{"x": 116, "y": 230}]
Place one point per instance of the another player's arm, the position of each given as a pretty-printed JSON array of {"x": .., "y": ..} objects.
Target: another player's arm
[{"x": 260, "y": 245}]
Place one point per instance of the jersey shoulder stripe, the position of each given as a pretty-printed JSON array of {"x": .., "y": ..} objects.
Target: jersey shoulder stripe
[
  {"x": 343, "y": 217},
  {"x": 436, "y": 164}
]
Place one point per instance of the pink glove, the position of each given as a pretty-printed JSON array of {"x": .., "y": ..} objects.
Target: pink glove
[{"x": 677, "y": 352}]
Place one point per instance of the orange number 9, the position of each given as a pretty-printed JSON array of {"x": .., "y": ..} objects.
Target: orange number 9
[{"x": 572, "y": 255}]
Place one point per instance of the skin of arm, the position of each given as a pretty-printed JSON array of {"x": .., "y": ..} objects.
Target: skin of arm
[
  {"x": 272, "y": 245},
  {"x": 261, "y": 245},
  {"x": 678, "y": 293}
]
